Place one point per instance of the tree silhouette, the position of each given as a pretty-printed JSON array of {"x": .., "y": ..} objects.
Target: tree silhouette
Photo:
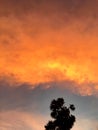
[{"x": 63, "y": 119}]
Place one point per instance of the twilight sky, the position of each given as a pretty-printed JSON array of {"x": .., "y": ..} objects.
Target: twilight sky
[{"x": 48, "y": 49}]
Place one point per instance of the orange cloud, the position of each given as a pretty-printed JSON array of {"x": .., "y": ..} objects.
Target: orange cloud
[{"x": 35, "y": 51}]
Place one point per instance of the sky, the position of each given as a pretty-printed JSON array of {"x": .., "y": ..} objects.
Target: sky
[{"x": 48, "y": 49}]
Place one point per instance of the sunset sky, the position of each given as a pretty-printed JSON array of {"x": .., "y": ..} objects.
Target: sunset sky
[{"x": 48, "y": 49}]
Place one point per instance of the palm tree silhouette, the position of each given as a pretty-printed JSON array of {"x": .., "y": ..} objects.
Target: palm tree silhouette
[{"x": 62, "y": 118}]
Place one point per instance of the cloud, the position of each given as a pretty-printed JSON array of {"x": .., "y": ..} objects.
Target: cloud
[
  {"x": 24, "y": 98},
  {"x": 88, "y": 122},
  {"x": 47, "y": 43},
  {"x": 10, "y": 120},
  {"x": 48, "y": 49},
  {"x": 24, "y": 108}
]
